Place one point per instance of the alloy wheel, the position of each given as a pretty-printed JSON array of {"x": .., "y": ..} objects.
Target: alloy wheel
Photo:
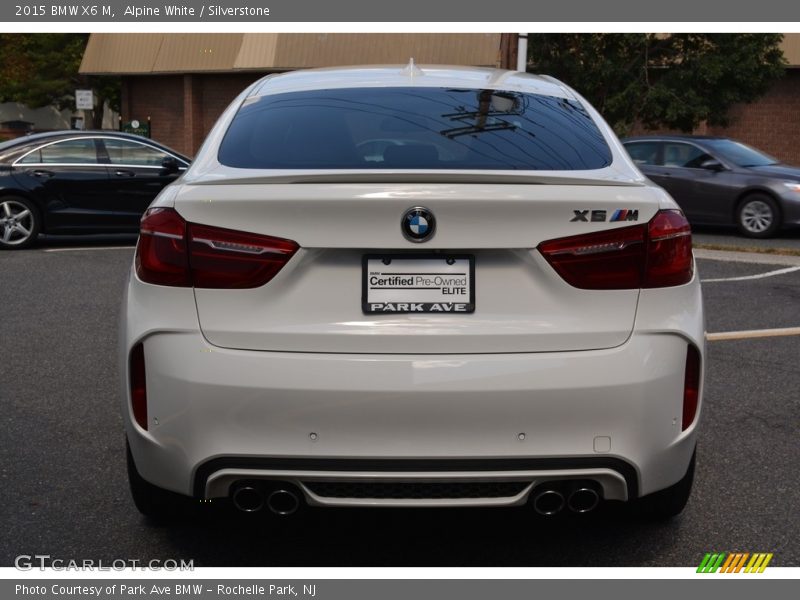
[
  {"x": 757, "y": 216},
  {"x": 16, "y": 223}
]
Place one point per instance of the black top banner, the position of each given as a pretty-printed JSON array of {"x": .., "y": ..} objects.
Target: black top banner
[{"x": 221, "y": 11}]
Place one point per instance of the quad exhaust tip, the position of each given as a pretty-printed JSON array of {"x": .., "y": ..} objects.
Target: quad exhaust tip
[
  {"x": 583, "y": 500},
  {"x": 283, "y": 502},
  {"x": 248, "y": 499},
  {"x": 577, "y": 496},
  {"x": 253, "y": 498},
  {"x": 548, "y": 502}
]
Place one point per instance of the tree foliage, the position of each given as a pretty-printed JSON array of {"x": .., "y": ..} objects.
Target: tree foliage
[
  {"x": 671, "y": 81},
  {"x": 41, "y": 69}
]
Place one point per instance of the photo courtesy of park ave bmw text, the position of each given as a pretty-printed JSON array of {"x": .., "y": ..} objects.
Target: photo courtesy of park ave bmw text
[{"x": 384, "y": 292}]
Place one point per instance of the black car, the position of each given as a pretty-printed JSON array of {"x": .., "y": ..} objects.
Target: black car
[
  {"x": 718, "y": 180},
  {"x": 75, "y": 182}
]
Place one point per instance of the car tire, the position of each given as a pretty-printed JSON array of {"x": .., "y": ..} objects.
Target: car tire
[
  {"x": 20, "y": 223},
  {"x": 670, "y": 502},
  {"x": 153, "y": 502},
  {"x": 758, "y": 216}
]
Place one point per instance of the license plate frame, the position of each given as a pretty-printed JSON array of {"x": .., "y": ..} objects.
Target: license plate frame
[{"x": 464, "y": 264}]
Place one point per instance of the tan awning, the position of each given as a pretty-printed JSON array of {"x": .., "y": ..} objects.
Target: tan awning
[
  {"x": 188, "y": 52},
  {"x": 306, "y": 50},
  {"x": 108, "y": 53},
  {"x": 791, "y": 48},
  {"x": 134, "y": 53}
]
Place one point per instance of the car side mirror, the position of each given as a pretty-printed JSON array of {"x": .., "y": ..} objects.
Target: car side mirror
[
  {"x": 170, "y": 164},
  {"x": 712, "y": 164}
]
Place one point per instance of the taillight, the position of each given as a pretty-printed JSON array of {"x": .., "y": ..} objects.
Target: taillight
[
  {"x": 222, "y": 258},
  {"x": 658, "y": 254},
  {"x": 691, "y": 386},
  {"x": 176, "y": 253},
  {"x": 138, "y": 383},
  {"x": 161, "y": 255},
  {"x": 669, "y": 253},
  {"x": 608, "y": 260}
]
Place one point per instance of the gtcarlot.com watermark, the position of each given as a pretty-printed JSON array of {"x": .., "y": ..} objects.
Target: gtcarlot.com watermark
[{"x": 29, "y": 562}]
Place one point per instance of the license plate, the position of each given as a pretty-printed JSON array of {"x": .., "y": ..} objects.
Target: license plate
[{"x": 405, "y": 283}]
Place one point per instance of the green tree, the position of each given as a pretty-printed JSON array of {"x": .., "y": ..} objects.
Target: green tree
[
  {"x": 41, "y": 69},
  {"x": 671, "y": 81}
]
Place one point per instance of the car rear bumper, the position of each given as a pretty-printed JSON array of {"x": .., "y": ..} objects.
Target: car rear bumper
[
  {"x": 218, "y": 415},
  {"x": 427, "y": 482}
]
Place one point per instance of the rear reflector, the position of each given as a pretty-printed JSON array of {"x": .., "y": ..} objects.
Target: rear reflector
[
  {"x": 691, "y": 387},
  {"x": 138, "y": 383},
  {"x": 173, "y": 252},
  {"x": 658, "y": 254}
]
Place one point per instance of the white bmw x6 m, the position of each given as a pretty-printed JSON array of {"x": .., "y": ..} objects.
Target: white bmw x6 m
[{"x": 405, "y": 286}]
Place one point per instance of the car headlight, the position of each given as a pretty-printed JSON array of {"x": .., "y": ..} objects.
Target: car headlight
[{"x": 793, "y": 185}]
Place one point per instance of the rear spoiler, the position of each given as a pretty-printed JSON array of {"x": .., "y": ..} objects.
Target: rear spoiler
[{"x": 242, "y": 177}]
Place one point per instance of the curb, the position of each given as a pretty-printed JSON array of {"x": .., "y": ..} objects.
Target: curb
[{"x": 747, "y": 249}]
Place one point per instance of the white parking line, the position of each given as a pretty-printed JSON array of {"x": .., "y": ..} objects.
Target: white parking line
[
  {"x": 757, "y": 276},
  {"x": 88, "y": 248},
  {"x": 752, "y": 333}
]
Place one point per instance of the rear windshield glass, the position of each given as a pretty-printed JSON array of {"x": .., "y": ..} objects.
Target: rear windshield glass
[{"x": 413, "y": 128}]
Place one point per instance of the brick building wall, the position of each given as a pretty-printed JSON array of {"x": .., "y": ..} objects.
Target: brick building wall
[
  {"x": 161, "y": 99},
  {"x": 182, "y": 108},
  {"x": 771, "y": 123}
]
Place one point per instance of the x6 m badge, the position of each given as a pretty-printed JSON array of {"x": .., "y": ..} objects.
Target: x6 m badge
[{"x": 595, "y": 216}]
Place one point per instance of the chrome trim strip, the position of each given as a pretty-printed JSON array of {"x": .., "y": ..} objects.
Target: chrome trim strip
[
  {"x": 95, "y": 137},
  {"x": 105, "y": 165}
]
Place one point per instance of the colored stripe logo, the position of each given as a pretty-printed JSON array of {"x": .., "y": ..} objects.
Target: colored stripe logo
[
  {"x": 624, "y": 214},
  {"x": 734, "y": 562}
]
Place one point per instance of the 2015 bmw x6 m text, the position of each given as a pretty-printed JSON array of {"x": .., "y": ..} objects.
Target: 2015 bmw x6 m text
[{"x": 405, "y": 286}]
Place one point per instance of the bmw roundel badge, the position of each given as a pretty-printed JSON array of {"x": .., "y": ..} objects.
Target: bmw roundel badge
[{"x": 418, "y": 224}]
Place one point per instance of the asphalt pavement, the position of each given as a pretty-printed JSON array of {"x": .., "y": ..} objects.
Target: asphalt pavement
[
  {"x": 729, "y": 236},
  {"x": 64, "y": 489}
]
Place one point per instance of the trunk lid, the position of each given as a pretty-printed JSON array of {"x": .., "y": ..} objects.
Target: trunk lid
[{"x": 315, "y": 303}]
